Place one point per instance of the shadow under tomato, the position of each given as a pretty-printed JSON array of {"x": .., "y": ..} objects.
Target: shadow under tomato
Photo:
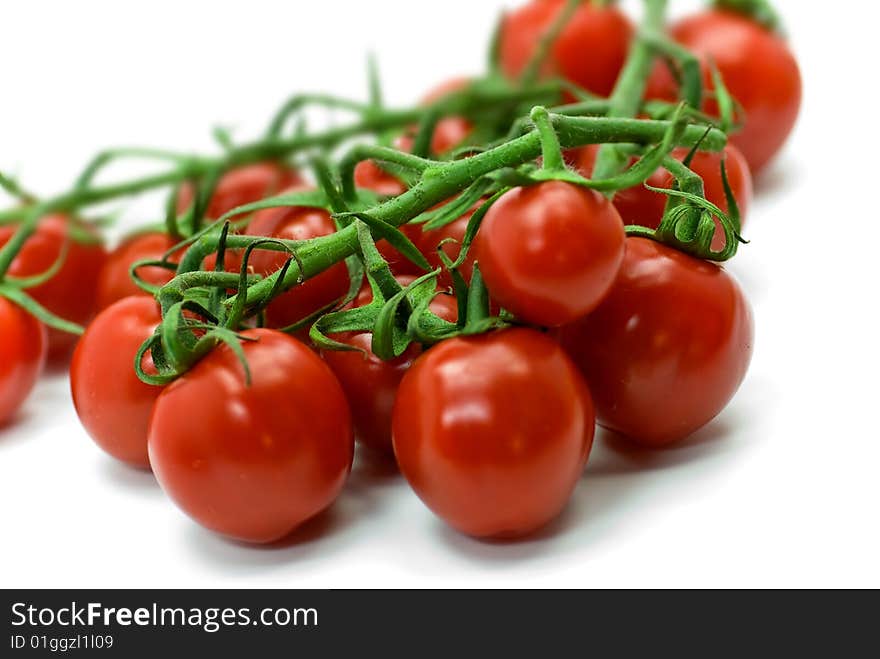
[
  {"x": 614, "y": 481},
  {"x": 372, "y": 468},
  {"x": 17, "y": 419},
  {"x": 618, "y": 455},
  {"x": 778, "y": 178},
  {"x": 324, "y": 533},
  {"x": 507, "y": 550},
  {"x": 316, "y": 537},
  {"x": 129, "y": 478}
]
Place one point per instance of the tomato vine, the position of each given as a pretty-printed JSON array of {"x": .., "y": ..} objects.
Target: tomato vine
[{"x": 524, "y": 119}]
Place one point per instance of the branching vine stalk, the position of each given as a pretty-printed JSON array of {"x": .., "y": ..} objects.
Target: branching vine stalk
[{"x": 525, "y": 119}]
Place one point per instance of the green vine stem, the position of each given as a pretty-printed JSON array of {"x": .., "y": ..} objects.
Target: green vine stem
[
  {"x": 438, "y": 182},
  {"x": 13, "y": 188},
  {"x": 545, "y": 44},
  {"x": 627, "y": 97}
]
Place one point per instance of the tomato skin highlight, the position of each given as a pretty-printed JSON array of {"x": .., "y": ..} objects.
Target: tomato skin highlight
[
  {"x": 493, "y": 431},
  {"x": 371, "y": 384},
  {"x": 668, "y": 348},
  {"x": 242, "y": 185},
  {"x": 590, "y": 51},
  {"x": 253, "y": 462},
  {"x": 23, "y": 349},
  {"x": 759, "y": 71},
  {"x": 638, "y": 205},
  {"x": 71, "y": 292},
  {"x": 296, "y": 223},
  {"x": 113, "y": 405},
  {"x": 550, "y": 252}
]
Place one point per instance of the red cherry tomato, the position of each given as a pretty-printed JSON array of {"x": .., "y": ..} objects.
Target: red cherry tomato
[
  {"x": 242, "y": 185},
  {"x": 368, "y": 175},
  {"x": 758, "y": 69},
  {"x": 71, "y": 292},
  {"x": 450, "y": 132},
  {"x": 253, "y": 461},
  {"x": 638, "y": 205},
  {"x": 313, "y": 294},
  {"x": 23, "y": 345},
  {"x": 549, "y": 253},
  {"x": 115, "y": 283},
  {"x": 112, "y": 403},
  {"x": 590, "y": 51},
  {"x": 668, "y": 348},
  {"x": 493, "y": 431},
  {"x": 371, "y": 384}
]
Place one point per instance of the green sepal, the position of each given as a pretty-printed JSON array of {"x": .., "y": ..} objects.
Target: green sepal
[
  {"x": 390, "y": 338},
  {"x": 35, "y": 280},
  {"x": 450, "y": 212},
  {"x": 678, "y": 228},
  {"x": 18, "y": 297},
  {"x": 395, "y": 237},
  {"x": 304, "y": 199},
  {"x": 146, "y": 287},
  {"x": 726, "y": 103},
  {"x": 356, "y": 278}
]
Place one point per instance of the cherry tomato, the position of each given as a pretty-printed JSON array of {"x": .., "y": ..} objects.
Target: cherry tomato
[
  {"x": 550, "y": 252},
  {"x": 493, "y": 431},
  {"x": 368, "y": 175},
  {"x": 112, "y": 403},
  {"x": 590, "y": 51},
  {"x": 71, "y": 292},
  {"x": 758, "y": 69},
  {"x": 115, "y": 283},
  {"x": 371, "y": 384},
  {"x": 23, "y": 346},
  {"x": 638, "y": 205},
  {"x": 313, "y": 294},
  {"x": 242, "y": 185},
  {"x": 253, "y": 461},
  {"x": 667, "y": 349},
  {"x": 450, "y": 132}
]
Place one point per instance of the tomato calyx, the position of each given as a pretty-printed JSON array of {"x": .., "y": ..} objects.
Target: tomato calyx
[
  {"x": 689, "y": 221},
  {"x": 399, "y": 315}
]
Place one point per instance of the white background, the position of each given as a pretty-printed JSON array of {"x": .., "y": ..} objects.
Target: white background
[{"x": 781, "y": 490}]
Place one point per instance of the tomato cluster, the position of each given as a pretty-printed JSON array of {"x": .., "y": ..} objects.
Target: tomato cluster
[{"x": 552, "y": 307}]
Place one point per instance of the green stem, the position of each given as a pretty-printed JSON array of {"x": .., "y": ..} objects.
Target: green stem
[
  {"x": 361, "y": 152},
  {"x": 13, "y": 188},
  {"x": 533, "y": 68},
  {"x": 444, "y": 180},
  {"x": 551, "y": 152},
  {"x": 626, "y": 99}
]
